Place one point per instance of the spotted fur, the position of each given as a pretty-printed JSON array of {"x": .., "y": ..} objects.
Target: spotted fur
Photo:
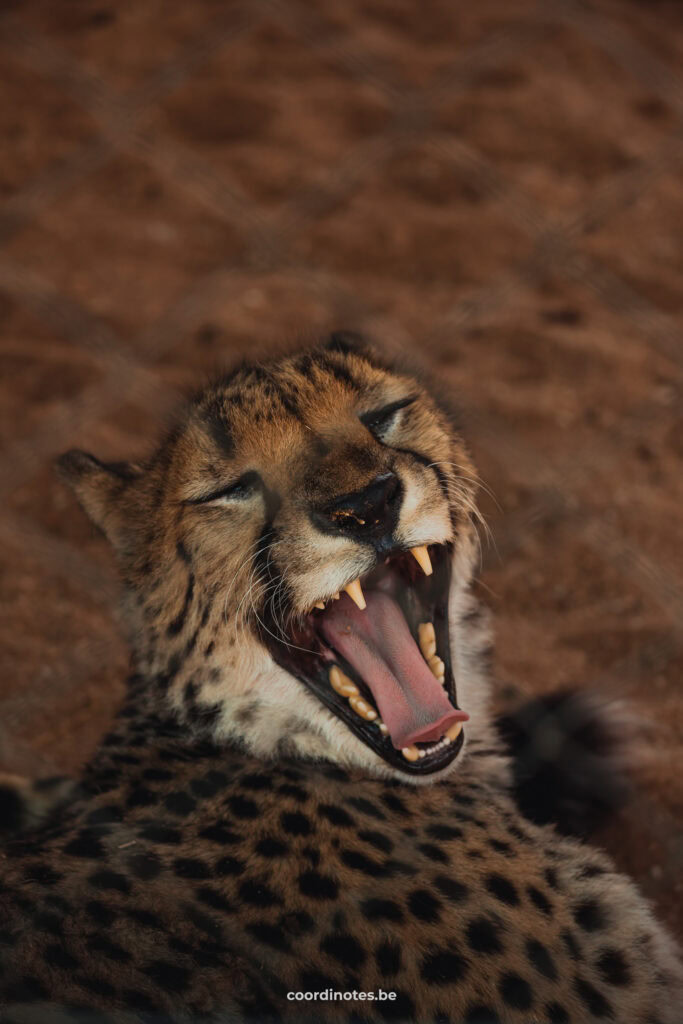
[{"x": 229, "y": 844}]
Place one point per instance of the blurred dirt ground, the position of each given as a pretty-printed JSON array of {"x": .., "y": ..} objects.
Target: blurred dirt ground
[{"x": 498, "y": 184}]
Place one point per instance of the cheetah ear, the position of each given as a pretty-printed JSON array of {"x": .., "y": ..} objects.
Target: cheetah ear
[
  {"x": 101, "y": 489},
  {"x": 347, "y": 342}
]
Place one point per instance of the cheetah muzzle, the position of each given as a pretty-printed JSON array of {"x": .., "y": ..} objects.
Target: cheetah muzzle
[{"x": 378, "y": 656}]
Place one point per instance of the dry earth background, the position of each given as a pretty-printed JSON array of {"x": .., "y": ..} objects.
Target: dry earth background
[{"x": 497, "y": 183}]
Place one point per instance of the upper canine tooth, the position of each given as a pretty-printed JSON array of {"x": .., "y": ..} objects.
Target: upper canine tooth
[
  {"x": 422, "y": 558},
  {"x": 427, "y": 639},
  {"x": 319, "y": 604},
  {"x": 341, "y": 684},
  {"x": 355, "y": 592}
]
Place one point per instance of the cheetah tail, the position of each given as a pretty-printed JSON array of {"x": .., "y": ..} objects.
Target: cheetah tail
[{"x": 570, "y": 752}]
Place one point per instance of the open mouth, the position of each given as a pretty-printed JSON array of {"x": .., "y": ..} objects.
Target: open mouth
[{"x": 377, "y": 654}]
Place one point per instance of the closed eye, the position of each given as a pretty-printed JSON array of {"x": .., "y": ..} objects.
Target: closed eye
[
  {"x": 378, "y": 420},
  {"x": 240, "y": 489}
]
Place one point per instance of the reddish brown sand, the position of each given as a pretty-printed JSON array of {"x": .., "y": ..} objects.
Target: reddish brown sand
[{"x": 497, "y": 183}]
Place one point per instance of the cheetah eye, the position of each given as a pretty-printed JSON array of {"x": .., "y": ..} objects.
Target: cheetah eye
[
  {"x": 239, "y": 490},
  {"x": 379, "y": 420}
]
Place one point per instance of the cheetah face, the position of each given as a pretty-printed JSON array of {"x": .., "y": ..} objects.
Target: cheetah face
[{"x": 293, "y": 552}]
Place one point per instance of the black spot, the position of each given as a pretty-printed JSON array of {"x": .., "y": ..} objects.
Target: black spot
[
  {"x": 141, "y": 796},
  {"x": 86, "y": 845},
  {"x": 515, "y": 991},
  {"x": 191, "y": 867},
  {"x": 100, "y": 913},
  {"x": 335, "y": 815},
  {"x": 228, "y": 866},
  {"x": 178, "y": 622},
  {"x": 47, "y": 922},
  {"x": 571, "y": 944},
  {"x": 343, "y": 948},
  {"x": 589, "y": 915},
  {"x": 95, "y": 985},
  {"x": 540, "y": 958},
  {"x": 424, "y": 905},
  {"x": 295, "y": 824},
  {"x": 613, "y": 967},
  {"x": 367, "y": 807},
  {"x": 566, "y": 316},
  {"x": 551, "y": 878},
  {"x": 219, "y": 834},
  {"x": 388, "y": 957},
  {"x": 503, "y": 889},
  {"x": 168, "y": 975},
  {"x": 256, "y": 780},
  {"x": 243, "y": 807},
  {"x": 161, "y": 834},
  {"x": 145, "y": 918},
  {"x": 500, "y": 846},
  {"x": 378, "y": 840},
  {"x": 214, "y": 899},
  {"x": 359, "y": 862},
  {"x": 395, "y": 804},
  {"x": 297, "y": 922},
  {"x": 318, "y": 886},
  {"x": 56, "y": 956},
  {"x": 434, "y": 853},
  {"x": 109, "y": 949},
  {"x": 42, "y": 873},
  {"x": 210, "y": 784},
  {"x": 452, "y": 890},
  {"x": 180, "y": 803},
  {"x": 556, "y": 1014},
  {"x": 105, "y": 815},
  {"x": 593, "y": 1000},
  {"x": 314, "y": 981},
  {"x": 443, "y": 967},
  {"x": 296, "y": 792},
  {"x": 109, "y": 880},
  {"x": 258, "y": 894},
  {"x": 157, "y": 775},
  {"x": 402, "y": 1008},
  {"x": 540, "y": 900},
  {"x": 444, "y": 832},
  {"x": 144, "y": 865},
  {"x": 381, "y": 910},
  {"x": 269, "y": 846},
  {"x": 269, "y": 935},
  {"x": 482, "y": 935}
]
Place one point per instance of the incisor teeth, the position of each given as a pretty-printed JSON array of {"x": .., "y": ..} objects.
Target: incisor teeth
[
  {"x": 382, "y": 727},
  {"x": 362, "y": 708},
  {"x": 341, "y": 684},
  {"x": 411, "y": 753},
  {"x": 421, "y": 556},
  {"x": 427, "y": 639},
  {"x": 355, "y": 592},
  {"x": 454, "y": 731}
]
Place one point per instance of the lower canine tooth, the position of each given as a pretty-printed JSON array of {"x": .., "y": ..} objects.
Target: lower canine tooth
[
  {"x": 362, "y": 708},
  {"x": 454, "y": 731},
  {"x": 355, "y": 592},
  {"x": 421, "y": 556},
  {"x": 411, "y": 753},
  {"x": 341, "y": 684}
]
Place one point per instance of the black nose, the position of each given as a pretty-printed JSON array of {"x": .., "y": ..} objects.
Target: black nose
[{"x": 371, "y": 513}]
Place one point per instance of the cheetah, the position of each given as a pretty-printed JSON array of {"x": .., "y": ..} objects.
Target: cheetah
[{"x": 304, "y": 810}]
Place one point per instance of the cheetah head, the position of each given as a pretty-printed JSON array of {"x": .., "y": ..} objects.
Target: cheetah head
[{"x": 297, "y": 555}]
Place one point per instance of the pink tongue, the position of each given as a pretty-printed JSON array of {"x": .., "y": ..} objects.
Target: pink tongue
[{"x": 379, "y": 645}]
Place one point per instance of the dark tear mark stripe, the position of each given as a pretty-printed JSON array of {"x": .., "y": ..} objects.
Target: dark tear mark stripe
[{"x": 177, "y": 624}]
